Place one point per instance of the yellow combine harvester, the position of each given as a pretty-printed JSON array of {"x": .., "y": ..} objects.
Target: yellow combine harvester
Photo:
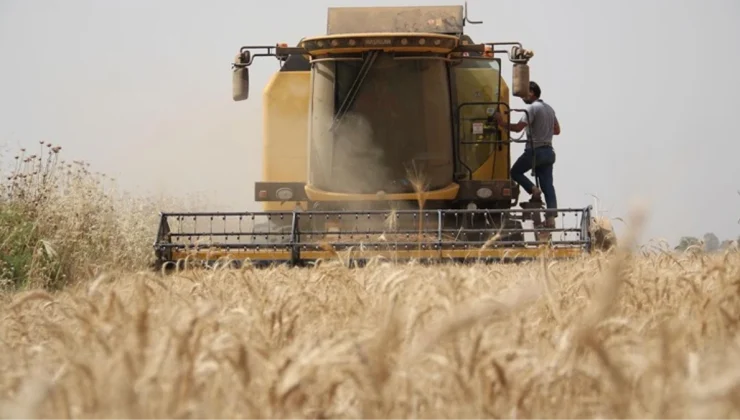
[{"x": 379, "y": 141}]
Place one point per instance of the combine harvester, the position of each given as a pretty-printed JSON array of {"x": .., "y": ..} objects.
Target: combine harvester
[{"x": 379, "y": 141}]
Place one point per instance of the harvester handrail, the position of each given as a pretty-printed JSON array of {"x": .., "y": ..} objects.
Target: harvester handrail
[
  {"x": 224, "y": 213},
  {"x": 359, "y": 212}
]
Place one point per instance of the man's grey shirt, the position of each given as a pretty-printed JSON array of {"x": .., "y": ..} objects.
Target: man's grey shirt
[{"x": 542, "y": 123}]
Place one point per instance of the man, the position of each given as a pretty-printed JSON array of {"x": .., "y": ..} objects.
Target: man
[{"x": 543, "y": 124}]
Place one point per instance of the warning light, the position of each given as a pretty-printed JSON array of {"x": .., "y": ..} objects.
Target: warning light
[{"x": 263, "y": 194}]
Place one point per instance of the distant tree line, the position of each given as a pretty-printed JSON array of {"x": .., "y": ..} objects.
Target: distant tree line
[{"x": 710, "y": 243}]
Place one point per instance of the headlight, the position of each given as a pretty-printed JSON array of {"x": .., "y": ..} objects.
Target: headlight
[
  {"x": 484, "y": 192},
  {"x": 284, "y": 194}
]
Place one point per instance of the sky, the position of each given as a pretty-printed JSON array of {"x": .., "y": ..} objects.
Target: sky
[{"x": 645, "y": 93}]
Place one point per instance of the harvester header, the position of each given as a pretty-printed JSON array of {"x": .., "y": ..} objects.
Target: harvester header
[{"x": 379, "y": 139}]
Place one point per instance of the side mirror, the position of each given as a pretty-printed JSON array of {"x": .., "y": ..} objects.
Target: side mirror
[
  {"x": 520, "y": 80},
  {"x": 240, "y": 78}
]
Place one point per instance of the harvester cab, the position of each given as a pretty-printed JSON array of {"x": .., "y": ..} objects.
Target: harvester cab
[{"x": 379, "y": 140}]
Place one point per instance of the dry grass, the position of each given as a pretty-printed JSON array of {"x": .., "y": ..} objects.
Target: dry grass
[
  {"x": 649, "y": 334},
  {"x": 60, "y": 221}
]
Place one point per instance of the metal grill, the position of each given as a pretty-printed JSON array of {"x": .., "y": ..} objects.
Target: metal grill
[{"x": 301, "y": 236}]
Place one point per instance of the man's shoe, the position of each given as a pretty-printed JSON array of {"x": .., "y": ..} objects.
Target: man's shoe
[
  {"x": 550, "y": 222},
  {"x": 536, "y": 194}
]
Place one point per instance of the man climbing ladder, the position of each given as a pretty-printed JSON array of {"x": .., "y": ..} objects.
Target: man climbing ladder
[{"x": 543, "y": 124}]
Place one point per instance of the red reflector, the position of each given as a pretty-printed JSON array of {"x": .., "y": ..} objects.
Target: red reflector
[
  {"x": 263, "y": 194},
  {"x": 506, "y": 192}
]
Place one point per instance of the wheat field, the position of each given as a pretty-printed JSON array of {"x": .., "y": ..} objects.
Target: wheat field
[{"x": 88, "y": 332}]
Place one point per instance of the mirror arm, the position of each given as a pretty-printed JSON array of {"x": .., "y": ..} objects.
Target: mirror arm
[
  {"x": 517, "y": 55},
  {"x": 281, "y": 52}
]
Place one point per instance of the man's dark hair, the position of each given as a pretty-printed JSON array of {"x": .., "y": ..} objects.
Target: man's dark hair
[{"x": 534, "y": 87}]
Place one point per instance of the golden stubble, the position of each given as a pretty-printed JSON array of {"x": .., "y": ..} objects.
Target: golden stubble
[{"x": 618, "y": 335}]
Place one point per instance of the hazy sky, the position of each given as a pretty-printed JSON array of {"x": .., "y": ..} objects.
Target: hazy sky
[{"x": 644, "y": 91}]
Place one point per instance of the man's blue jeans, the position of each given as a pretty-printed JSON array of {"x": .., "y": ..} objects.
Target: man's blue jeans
[{"x": 544, "y": 161}]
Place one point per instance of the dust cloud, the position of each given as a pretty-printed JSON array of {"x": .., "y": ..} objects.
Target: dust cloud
[
  {"x": 357, "y": 163},
  {"x": 351, "y": 161}
]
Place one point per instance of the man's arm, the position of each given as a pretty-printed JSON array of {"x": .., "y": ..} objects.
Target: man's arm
[
  {"x": 512, "y": 127},
  {"x": 556, "y": 129}
]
